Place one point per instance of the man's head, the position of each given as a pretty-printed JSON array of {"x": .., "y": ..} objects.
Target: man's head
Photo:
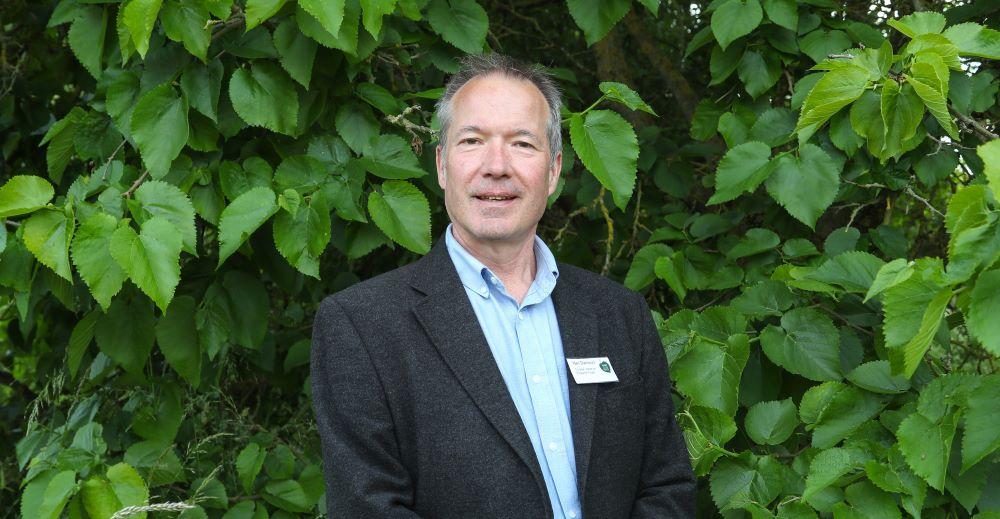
[{"x": 500, "y": 150}]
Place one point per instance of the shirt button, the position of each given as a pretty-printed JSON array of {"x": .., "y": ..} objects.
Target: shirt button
[
  {"x": 553, "y": 446},
  {"x": 520, "y": 316},
  {"x": 536, "y": 379},
  {"x": 572, "y": 513}
]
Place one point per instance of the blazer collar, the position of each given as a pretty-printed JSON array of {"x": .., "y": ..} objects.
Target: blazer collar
[{"x": 449, "y": 320}]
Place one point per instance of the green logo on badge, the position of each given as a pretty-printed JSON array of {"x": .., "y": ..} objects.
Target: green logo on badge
[{"x": 606, "y": 367}]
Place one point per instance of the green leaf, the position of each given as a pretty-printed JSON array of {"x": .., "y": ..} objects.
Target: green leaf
[
  {"x": 125, "y": 333},
  {"x": 835, "y": 90},
  {"x": 783, "y": 12},
  {"x": 758, "y": 72},
  {"x": 734, "y": 19},
  {"x": 706, "y": 432},
  {"x": 201, "y": 85},
  {"x": 807, "y": 344},
  {"x": 597, "y": 17},
  {"x": 876, "y": 376},
  {"x": 372, "y": 12},
  {"x": 927, "y": 446},
  {"x": 86, "y": 38},
  {"x": 462, "y": 23},
  {"x": 771, "y": 423},
  {"x": 242, "y": 217},
  {"x": 705, "y": 120},
  {"x": 265, "y": 96},
  {"x": 767, "y": 297},
  {"x": 128, "y": 486},
  {"x": 774, "y": 127},
  {"x": 989, "y": 153},
  {"x": 248, "y": 465},
  {"x": 99, "y": 498},
  {"x": 288, "y": 495},
  {"x": 741, "y": 170},
  {"x": 973, "y": 39},
  {"x": 346, "y": 39},
  {"x": 168, "y": 201},
  {"x": 23, "y": 194},
  {"x": 906, "y": 359},
  {"x": 151, "y": 257},
  {"x": 746, "y": 480},
  {"x": 640, "y": 273},
  {"x": 259, "y": 10},
  {"x": 329, "y": 13},
  {"x": 47, "y": 234},
  {"x": 357, "y": 126},
  {"x": 819, "y": 44},
  {"x": 91, "y": 253},
  {"x": 61, "y": 137},
  {"x": 139, "y": 17},
  {"x": 709, "y": 372},
  {"x": 922, "y": 22},
  {"x": 902, "y": 110},
  {"x": 390, "y": 157},
  {"x": 984, "y": 306},
  {"x": 844, "y": 412},
  {"x": 57, "y": 493},
  {"x": 401, "y": 211},
  {"x": 854, "y": 271},
  {"x": 829, "y": 466},
  {"x": 671, "y": 269},
  {"x": 805, "y": 185},
  {"x": 186, "y": 21},
  {"x": 982, "y": 430},
  {"x": 623, "y": 94},
  {"x": 754, "y": 241},
  {"x": 906, "y": 304},
  {"x": 888, "y": 276},
  {"x": 608, "y": 147},
  {"x": 160, "y": 128},
  {"x": 302, "y": 237},
  {"x": 236, "y": 180},
  {"x": 296, "y": 51},
  {"x": 79, "y": 340},
  {"x": 379, "y": 97},
  {"x": 177, "y": 339},
  {"x": 929, "y": 80}
]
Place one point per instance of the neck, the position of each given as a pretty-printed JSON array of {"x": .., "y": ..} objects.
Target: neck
[{"x": 513, "y": 261}]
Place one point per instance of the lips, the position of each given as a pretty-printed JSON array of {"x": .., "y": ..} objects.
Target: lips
[{"x": 495, "y": 197}]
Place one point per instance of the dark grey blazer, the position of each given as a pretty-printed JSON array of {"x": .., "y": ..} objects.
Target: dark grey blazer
[{"x": 415, "y": 419}]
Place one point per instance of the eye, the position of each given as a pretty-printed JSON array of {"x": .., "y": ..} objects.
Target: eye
[
  {"x": 469, "y": 140},
  {"x": 524, "y": 144}
]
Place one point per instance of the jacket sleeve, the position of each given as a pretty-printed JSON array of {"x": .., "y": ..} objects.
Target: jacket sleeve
[
  {"x": 361, "y": 462},
  {"x": 667, "y": 484}
]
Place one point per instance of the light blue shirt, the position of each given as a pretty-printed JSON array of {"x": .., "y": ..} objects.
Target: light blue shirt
[{"x": 528, "y": 349}]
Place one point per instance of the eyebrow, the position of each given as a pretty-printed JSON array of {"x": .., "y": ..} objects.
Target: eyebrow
[{"x": 521, "y": 132}]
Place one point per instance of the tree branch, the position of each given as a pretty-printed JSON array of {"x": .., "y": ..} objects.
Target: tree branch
[{"x": 678, "y": 86}]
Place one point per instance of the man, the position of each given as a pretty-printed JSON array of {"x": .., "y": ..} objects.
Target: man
[{"x": 442, "y": 388}]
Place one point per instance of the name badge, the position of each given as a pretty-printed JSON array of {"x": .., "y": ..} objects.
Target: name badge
[{"x": 592, "y": 371}]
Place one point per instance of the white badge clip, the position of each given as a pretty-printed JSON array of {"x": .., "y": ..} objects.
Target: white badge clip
[{"x": 592, "y": 371}]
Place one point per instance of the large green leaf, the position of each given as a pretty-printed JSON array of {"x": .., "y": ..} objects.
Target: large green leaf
[
  {"x": 805, "y": 185},
  {"x": 608, "y": 147},
  {"x": 929, "y": 78},
  {"x": 709, "y": 372},
  {"x": 166, "y": 200},
  {"x": 906, "y": 359},
  {"x": 125, "y": 333},
  {"x": 329, "y": 13},
  {"x": 835, "y": 90},
  {"x": 296, "y": 51},
  {"x": 640, "y": 273},
  {"x": 99, "y": 498},
  {"x": 47, "y": 234},
  {"x": 201, "y": 85},
  {"x": 259, "y": 10},
  {"x": 989, "y": 153},
  {"x": 128, "y": 485},
  {"x": 854, "y": 271},
  {"x": 23, "y": 194},
  {"x": 706, "y": 431},
  {"x": 151, "y": 257},
  {"x": 621, "y": 93},
  {"x": 844, "y": 411},
  {"x": 389, "y": 156},
  {"x": 356, "y": 125},
  {"x": 734, "y": 19},
  {"x": 91, "y": 253},
  {"x": 301, "y": 237},
  {"x": 401, "y": 211},
  {"x": 139, "y": 17},
  {"x": 86, "y": 38},
  {"x": 462, "y": 23},
  {"x": 242, "y": 217},
  {"x": 746, "y": 481},
  {"x": 265, "y": 96},
  {"x": 57, "y": 492},
  {"x": 984, "y": 307},
  {"x": 186, "y": 21},
  {"x": 927, "y": 446},
  {"x": 876, "y": 376},
  {"x": 346, "y": 39},
  {"x": 597, "y": 17},
  {"x": 741, "y": 170},
  {"x": 982, "y": 424},
  {"x": 888, "y": 276},
  {"x": 902, "y": 110},
  {"x": 973, "y": 39},
  {"x": 177, "y": 339},
  {"x": 807, "y": 344},
  {"x": 160, "y": 128},
  {"x": 248, "y": 465},
  {"x": 830, "y": 465},
  {"x": 922, "y": 22},
  {"x": 906, "y": 304},
  {"x": 782, "y": 12},
  {"x": 758, "y": 72},
  {"x": 372, "y": 12},
  {"x": 771, "y": 423}
]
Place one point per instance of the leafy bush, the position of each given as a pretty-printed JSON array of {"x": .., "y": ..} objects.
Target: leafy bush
[{"x": 807, "y": 198}]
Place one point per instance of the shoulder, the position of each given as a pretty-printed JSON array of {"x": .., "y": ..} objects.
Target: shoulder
[{"x": 603, "y": 291}]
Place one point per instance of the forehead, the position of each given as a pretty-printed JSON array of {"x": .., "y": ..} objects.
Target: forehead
[{"x": 496, "y": 100}]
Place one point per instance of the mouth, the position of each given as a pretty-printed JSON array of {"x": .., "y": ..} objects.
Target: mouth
[{"x": 495, "y": 198}]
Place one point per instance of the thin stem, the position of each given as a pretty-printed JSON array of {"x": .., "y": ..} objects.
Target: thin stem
[{"x": 135, "y": 185}]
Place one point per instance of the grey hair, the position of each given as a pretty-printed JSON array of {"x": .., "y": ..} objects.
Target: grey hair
[{"x": 473, "y": 66}]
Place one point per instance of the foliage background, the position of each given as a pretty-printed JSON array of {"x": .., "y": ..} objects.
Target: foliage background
[{"x": 815, "y": 227}]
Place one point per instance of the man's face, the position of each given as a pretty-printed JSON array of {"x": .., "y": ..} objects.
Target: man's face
[{"x": 496, "y": 172}]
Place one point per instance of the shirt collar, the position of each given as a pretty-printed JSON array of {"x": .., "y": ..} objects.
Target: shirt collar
[{"x": 474, "y": 274}]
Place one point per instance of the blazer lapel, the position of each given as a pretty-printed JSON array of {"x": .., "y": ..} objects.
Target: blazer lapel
[
  {"x": 449, "y": 320},
  {"x": 578, "y": 329}
]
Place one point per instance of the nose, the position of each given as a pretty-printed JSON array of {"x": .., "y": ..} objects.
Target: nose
[{"x": 496, "y": 161}]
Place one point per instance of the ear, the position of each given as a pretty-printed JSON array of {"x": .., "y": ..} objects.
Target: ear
[
  {"x": 554, "y": 171},
  {"x": 442, "y": 173}
]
